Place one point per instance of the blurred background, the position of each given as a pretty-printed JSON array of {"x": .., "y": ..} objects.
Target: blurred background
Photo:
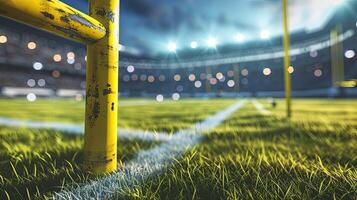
[{"x": 195, "y": 48}]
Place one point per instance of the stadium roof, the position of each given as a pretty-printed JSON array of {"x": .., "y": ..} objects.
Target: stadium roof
[{"x": 151, "y": 25}]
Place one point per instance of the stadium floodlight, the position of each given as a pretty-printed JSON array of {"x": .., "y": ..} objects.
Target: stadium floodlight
[
  {"x": 350, "y": 54},
  {"x": 212, "y": 42},
  {"x": 240, "y": 37},
  {"x": 264, "y": 34},
  {"x": 172, "y": 46},
  {"x": 194, "y": 44}
]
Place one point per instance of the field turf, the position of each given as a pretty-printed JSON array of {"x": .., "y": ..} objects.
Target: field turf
[{"x": 249, "y": 156}]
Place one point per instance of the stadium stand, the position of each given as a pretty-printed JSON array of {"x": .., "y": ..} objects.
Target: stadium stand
[{"x": 230, "y": 70}]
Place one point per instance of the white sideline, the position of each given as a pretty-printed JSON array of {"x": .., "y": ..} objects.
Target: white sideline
[
  {"x": 147, "y": 162},
  {"x": 78, "y": 129},
  {"x": 260, "y": 108}
]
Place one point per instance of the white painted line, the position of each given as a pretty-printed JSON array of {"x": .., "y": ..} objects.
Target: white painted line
[
  {"x": 260, "y": 108},
  {"x": 79, "y": 129},
  {"x": 147, "y": 162}
]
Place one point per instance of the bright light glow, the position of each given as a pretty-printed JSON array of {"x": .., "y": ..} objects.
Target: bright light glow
[
  {"x": 78, "y": 97},
  {"x": 71, "y": 61},
  {"x": 71, "y": 55},
  {"x": 350, "y": 54},
  {"x": 198, "y": 84},
  {"x": 212, "y": 42},
  {"x": 192, "y": 77},
  {"x": 291, "y": 69},
  {"x": 230, "y": 73},
  {"x": 151, "y": 79},
  {"x": 121, "y": 47},
  {"x": 56, "y": 74},
  {"x": 159, "y": 98},
  {"x": 162, "y": 78},
  {"x": 130, "y": 69},
  {"x": 266, "y": 71},
  {"x": 134, "y": 77},
  {"x": 175, "y": 96},
  {"x": 31, "y": 45},
  {"x": 230, "y": 83},
  {"x": 240, "y": 38},
  {"x": 194, "y": 45},
  {"x": 337, "y": 2},
  {"x": 172, "y": 47},
  {"x": 41, "y": 82},
  {"x": 314, "y": 54},
  {"x": 213, "y": 81},
  {"x": 179, "y": 88},
  {"x": 318, "y": 72},
  {"x": 57, "y": 58},
  {"x": 219, "y": 76},
  {"x": 31, "y": 97},
  {"x": 31, "y": 83},
  {"x": 177, "y": 77},
  {"x": 143, "y": 77},
  {"x": 264, "y": 34},
  {"x": 244, "y": 72},
  {"x": 37, "y": 66},
  {"x": 3, "y": 39}
]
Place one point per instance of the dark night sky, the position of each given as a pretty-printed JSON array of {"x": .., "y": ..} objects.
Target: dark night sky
[{"x": 149, "y": 25}]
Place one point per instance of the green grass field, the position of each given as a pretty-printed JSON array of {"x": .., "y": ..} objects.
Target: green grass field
[{"x": 249, "y": 156}]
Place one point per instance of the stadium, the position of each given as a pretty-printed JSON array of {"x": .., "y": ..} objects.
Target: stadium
[{"x": 206, "y": 101}]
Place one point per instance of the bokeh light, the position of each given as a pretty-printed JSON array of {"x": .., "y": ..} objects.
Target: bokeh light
[
  {"x": 266, "y": 71},
  {"x": 31, "y": 97},
  {"x": 3, "y": 39},
  {"x": 31, "y": 45},
  {"x": 37, "y": 65},
  {"x": 57, "y": 58},
  {"x": 159, "y": 98}
]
